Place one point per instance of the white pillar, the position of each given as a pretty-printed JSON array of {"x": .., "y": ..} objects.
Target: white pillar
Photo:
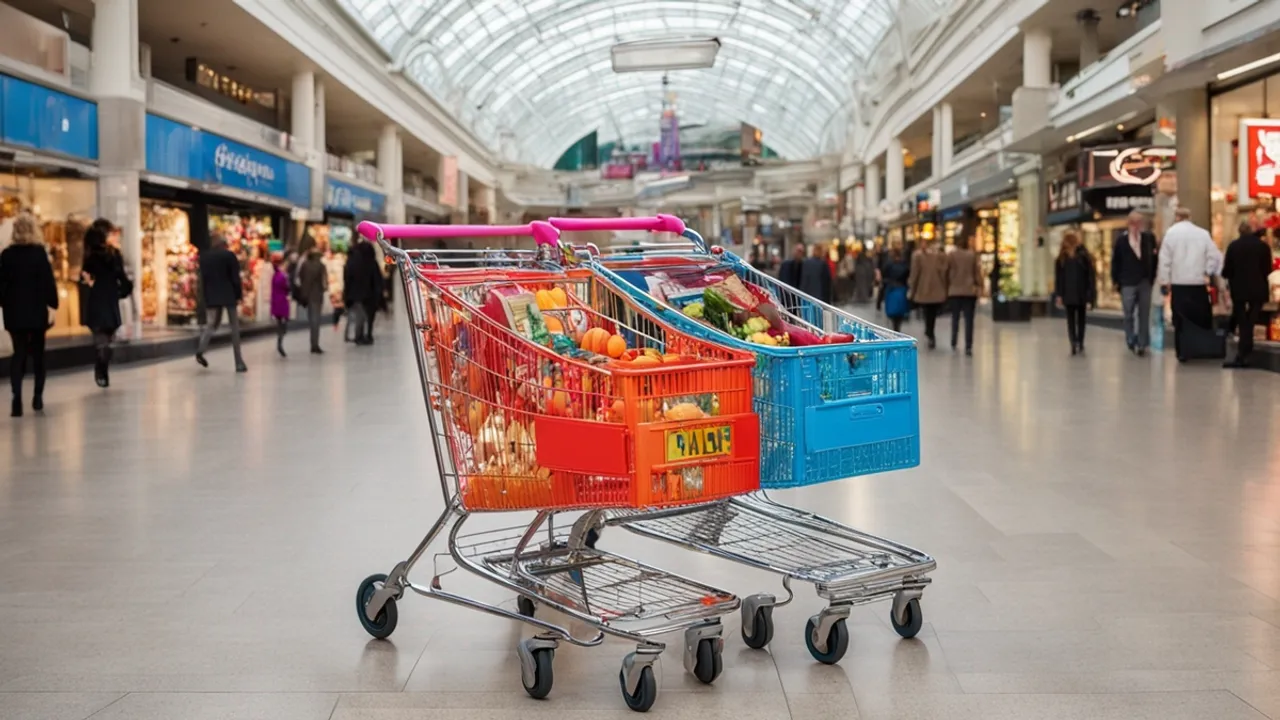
[
  {"x": 464, "y": 196},
  {"x": 1037, "y": 60},
  {"x": 872, "y": 175},
  {"x": 936, "y": 139},
  {"x": 894, "y": 172},
  {"x": 947, "y": 142},
  {"x": 303, "y": 103},
  {"x": 391, "y": 172},
  {"x": 1089, "y": 51},
  {"x": 318, "y": 126},
  {"x": 121, "y": 95},
  {"x": 859, "y": 211}
]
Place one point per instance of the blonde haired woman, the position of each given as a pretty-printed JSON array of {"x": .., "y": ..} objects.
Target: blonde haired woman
[{"x": 27, "y": 294}]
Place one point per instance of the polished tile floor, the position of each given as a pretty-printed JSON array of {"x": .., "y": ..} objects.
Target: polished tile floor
[{"x": 187, "y": 545}]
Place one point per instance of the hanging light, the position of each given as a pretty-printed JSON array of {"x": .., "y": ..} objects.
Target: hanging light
[{"x": 642, "y": 55}]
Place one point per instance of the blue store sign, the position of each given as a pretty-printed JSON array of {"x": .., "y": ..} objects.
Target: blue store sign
[
  {"x": 33, "y": 116},
  {"x": 179, "y": 150},
  {"x": 346, "y": 198}
]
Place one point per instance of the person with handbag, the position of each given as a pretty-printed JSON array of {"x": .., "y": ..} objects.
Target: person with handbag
[
  {"x": 1075, "y": 287},
  {"x": 28, "y": 297},
  {"x": 313, "y": 283},
  {"x": 896, "y": 274},
  {"x": 1187, "y": 258},
  {"x": 927, "y": 286},
  {"x": 103, "y": 284}
]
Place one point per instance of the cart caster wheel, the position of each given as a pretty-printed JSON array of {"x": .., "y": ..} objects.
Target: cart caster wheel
[
  {"x": 544, "y": 677},
  {"x": 915, "y": 619},
  {"x": 710, "y": 662},
  {"x": 385, "y": 624},
  {"x": 525, "y": 606},
  {"x": 646, "y": 690},
  {"x": 837, "y": 642},
  {"x": 762, "y": 633}
]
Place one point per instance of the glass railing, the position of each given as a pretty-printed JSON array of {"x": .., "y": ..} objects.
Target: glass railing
[{"x": 352, "y": 168}]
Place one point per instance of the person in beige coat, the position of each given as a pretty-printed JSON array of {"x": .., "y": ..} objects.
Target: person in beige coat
[
  {"x": 964, "y": 285},
  {"x": 927, "y": 286}
]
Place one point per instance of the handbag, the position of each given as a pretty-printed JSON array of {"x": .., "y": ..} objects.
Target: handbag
[{"x": 896, "y": 304}]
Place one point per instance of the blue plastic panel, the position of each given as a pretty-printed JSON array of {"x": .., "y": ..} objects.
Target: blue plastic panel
[{"x": 39, "y": 118}]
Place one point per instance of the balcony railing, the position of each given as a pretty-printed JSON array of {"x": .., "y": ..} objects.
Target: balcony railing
[{"x": 352, "y": 169}]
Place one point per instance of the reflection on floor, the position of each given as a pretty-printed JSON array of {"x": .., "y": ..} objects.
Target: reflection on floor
[{"x": 188, "y": 543}]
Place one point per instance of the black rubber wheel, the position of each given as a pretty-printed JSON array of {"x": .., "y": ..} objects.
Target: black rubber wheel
[
  {"x": 915, "y": 619},
  {"x": 525, "y": 606},
  {"x": 763, "y": 630},
  {"x": 385, "y": 624},
  {"x": 592, "y": 537},
  {"x": 543, "y": 675},
  {"x": 646, "y": 690},
  {"x": 837, "y": 642},
  {"x": 709, "y": 662}
]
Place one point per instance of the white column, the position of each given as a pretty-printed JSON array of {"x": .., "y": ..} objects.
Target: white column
[
  {"x": 121, "y": 95},
  {"x": 936, "y": 138},
  {"x": 319, "y": 122},
  {"x": 947, "y": 142},
  {"x": 464, "y": 196},
  {"x": 1037, "y": 60},
  {"x": 303, "y": 104},
  {"x": 391, "y": 172},
  {"x": 859, "y": 208},
  {"x": 894, "y": 172},
  {"x": 1089, "y": 52},
  {"x": 872, "y": 175}
]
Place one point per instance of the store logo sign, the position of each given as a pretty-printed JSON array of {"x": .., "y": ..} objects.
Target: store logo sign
[
  {"x": 1126, "y": 166},
  {"x": 1126, "y": 203},
  {"x": 1133, "y": 167},
  {"x": 243, "y": 165},
  {"x": 1260, "y": 157},
  {"x": 340, "y": 196}
]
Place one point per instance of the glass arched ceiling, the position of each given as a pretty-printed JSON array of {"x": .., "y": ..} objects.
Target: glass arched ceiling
[{"x": 531, "y": 77}]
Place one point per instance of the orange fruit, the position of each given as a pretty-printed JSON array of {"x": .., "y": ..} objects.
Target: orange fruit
[
  {"x": 618, "y": 410},
  {"x": 559, "y": 403},
  {"x": 615, "y": 346},
  {"x": 559, "y": 297},
  {"x": 553, "y": 324},
  {"x": 544, "y": 300}
]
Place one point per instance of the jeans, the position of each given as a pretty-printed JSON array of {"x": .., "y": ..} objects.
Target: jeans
[
  {"x": 27, "y": 344},
  {"x": 930, "y": 318},
  {"x": 212, "y": 320},
  {"x": 1136, "y": 300},
  {"x": 356, "y": 322},
  {"x": 1075, "y": 324},
  {"x": 1245, "y": 312},
  {"x": 963, "y": 306},
  {"x": 314, "y": 312}
]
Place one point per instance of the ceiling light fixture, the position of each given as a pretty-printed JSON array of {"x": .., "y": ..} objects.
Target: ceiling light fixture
[
  {"x": 643, "y": 55},
  {"x": 1247, "y": 67}
]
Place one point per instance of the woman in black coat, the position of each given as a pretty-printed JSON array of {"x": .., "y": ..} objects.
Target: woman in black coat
[
  {"x": 1076, "y": 287},
  {"x": 103, "y": 284},
  {"x": 27, "y": 294}
]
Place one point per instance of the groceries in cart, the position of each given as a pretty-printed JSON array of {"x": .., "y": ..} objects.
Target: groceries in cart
[{"x": 717, "y": 297}]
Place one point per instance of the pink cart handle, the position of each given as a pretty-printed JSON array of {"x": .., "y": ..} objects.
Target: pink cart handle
[
  {"x": 654, "y": 223},
  {"x": 542, "y": 233}
]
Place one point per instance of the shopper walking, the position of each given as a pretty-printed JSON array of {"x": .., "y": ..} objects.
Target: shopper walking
[
  {"x": 789, "y": 273},
  {"x": 223, "y": 289},
  {"x": 28, "y": 297},
  {"x": 964, "y": 285},
  {"x": 313, "y": 283},
  {"x": 815, "y": 274},
  {"x": 103, "y": 284},
  {"x": 280, "y": 291},
  {"x": 1246, "y": 267},
  {"x": 927, "y": 286},
  {"x": 897, "y": 272},
  {"x": 361, "y": 290},
  {"x": 1188, "y": 258},
  {"x": 1075, "y": 287},
  {"x": 1133, "y": 270},
  {"x": 864, "y": 278}
]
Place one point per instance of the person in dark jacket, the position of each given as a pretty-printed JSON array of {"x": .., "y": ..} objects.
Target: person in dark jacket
[
  {"x": 104, "y": 284},
  {"x": 220, "y": 278},
  {"x": 27, "y": 295},
  {"x": 361, "y": 290},
  {"x": 313, "y": 283},
  {"x": 896, "y": 274},
  {"x": 1133, "y": 272},
  {"x": 789, "y": 273},
  {"x": 1075, "y": 287},
  {"x": 1246, "y": 268},
  {"x": 815, "y": 275}
]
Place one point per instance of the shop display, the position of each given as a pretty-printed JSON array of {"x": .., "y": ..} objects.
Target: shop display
[
  {"x": 249, "y": 237},
  {"x": 985, "y": 238},
  {"x": 170, "y": 266},
  {"x": 1010, "y": 234},
  {"x": 333, "y": 240}
]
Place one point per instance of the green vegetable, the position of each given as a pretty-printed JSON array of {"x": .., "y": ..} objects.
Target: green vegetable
[
  {"x": 693, "y": 309},
  {"x": 717, "y": 310}
]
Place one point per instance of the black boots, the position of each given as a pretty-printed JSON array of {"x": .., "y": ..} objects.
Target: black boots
[
  {"x": 16, "y": 408},
  {"x": 100, "y": 375}
]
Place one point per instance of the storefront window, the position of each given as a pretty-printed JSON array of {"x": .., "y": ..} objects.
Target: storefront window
[
  {"x": 1007, "y": 251},
  {"x": 1255, "y": 100},
  {"x": 249, "y": 236},
  {"x": 170, "y": 266}
]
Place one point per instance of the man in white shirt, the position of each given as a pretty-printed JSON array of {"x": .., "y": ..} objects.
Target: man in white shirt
[{"x": 1188, "y": 258}]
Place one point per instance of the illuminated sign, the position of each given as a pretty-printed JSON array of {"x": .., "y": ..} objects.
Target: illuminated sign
[
  {"x": 1260, "y": 158},
  {"x": 1125, "y": 166},
  {"x": 207, "y": 77}
]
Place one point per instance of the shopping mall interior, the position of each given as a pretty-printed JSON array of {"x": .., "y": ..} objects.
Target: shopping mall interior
[{"x": 602, "y": 393}]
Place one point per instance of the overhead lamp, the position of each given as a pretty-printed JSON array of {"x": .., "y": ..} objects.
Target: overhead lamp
[
  {"x": 647, "y": 55},
  {"x": 1249, "y": 67}
]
